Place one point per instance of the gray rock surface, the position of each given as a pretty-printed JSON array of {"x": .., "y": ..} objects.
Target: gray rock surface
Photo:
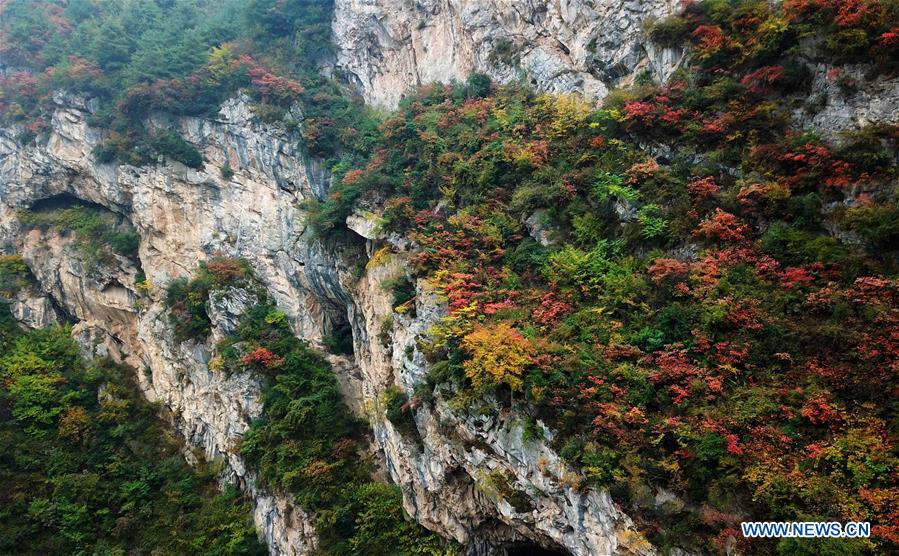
[
  {"x": 843, "y": 99},
  {"x": 185, "y": 216},
  {"x": 388, "y": 47},
  {"x": 450, "y": 470}
]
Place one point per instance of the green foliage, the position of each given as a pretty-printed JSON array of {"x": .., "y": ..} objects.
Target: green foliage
[
  {"x": 609, "y": 185},
  {"x": 98, "y": 234},
  {"x": 340, "y": 340},
  {"x": 717, "y": 366},
  {"x": 670, "y": 31},
  {"x": 88, "y": 466},
  {"x": 478, "y": 85},
  {"x": 400, "y": 411},
  {"x": 371, "y": 522},
  {"x": 136, "y": 57},
  {"x": 402, "y": 289},
  {"x": 878, "y": 225},
  {"x": 308, "y": 443},
  {"x": 743, "y": 367},
  {"x": 172, "y": 145},
  {"x": 794, "y": 246},
  {"x": 187, "y": 310},
  {"x": 187, "y": 299},
  {"x": 14, "y": 275},
  {"x": 499, "y": 484},
  {"x": 652, "y": 223},
  {"x": 526, "y": 256}
]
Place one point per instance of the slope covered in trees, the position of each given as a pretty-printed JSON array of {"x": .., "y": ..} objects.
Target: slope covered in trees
[
  {"x": 712, "y": 308},
  {"x": 308, "y": 443},
  {"x": 88, "y": 467},
  {"x": 183, "y": 57}
]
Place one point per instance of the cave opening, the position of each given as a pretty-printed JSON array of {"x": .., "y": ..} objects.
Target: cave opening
[
  {"x": 63, "y": 201},
  {"x": 96, "y": 228},
  {"x": 339, "y": 337},
  {"x": 525, "y": 549}
]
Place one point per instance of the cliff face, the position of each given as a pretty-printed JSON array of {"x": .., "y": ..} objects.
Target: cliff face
[
  {"x": 182, "y": 217},
  {"x": 457, "y": 475},
  {"x": 476, "y": 479},
  {"x": 386, "y": 48}
]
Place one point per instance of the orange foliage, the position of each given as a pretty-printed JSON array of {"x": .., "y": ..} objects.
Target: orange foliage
[{"x": 499, "y": 354}]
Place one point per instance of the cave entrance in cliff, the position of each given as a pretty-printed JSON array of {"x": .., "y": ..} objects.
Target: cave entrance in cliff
[
  {"x": 338, "y": 338},
  {"x": 525, "y": 549},
  {"x": 63, "y": 201},
  {"x": 121, "y": 235}
]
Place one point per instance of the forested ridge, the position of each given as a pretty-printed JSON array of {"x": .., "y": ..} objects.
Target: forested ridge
[{"x": 688, "y": 286}]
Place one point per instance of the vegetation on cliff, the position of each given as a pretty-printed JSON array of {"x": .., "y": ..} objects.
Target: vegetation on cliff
[
  {"x": 98, "y": 234},
  {"x": 135, "y": 58},
  {"x": 713, "y": 309},
  {"x": 88, "y": 467},
  {"x": 307, "y": 442}
]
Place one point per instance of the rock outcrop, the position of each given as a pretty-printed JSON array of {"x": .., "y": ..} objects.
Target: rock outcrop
[
  {"x": 477, "y": 479},
  {"x": 183, "y": 217},
  {"x": 456, "y": 474},
  {"x": 387, "y": 47},
  {"x": 845, "y": 99}
]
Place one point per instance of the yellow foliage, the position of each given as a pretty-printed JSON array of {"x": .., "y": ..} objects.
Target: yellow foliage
[
  {"x": 501, "y": 115},
  {"x": 216, "y": 363},
  {"x": 448, "y": 192},
  {"x": 74, "y": 424},
  {"x": 633, "y": 541},
  {"x": 572, "y": 480},
  {"x": 145, "y": 286},
  {"x": 571, "y": 111},
  {"x": 219, "y": 61},
  {"x": 454, "y": 326},
  {"x": 380, "y": 257},
  {"x": 499, "y": 354},
  {"x": 542, "y": 463}
]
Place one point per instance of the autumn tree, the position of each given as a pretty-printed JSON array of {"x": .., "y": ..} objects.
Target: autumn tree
[{"x": 499, "y": 355}]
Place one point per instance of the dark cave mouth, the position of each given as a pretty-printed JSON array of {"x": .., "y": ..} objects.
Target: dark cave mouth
[
  {"x": 64, "y": 201},
  {"x": 530, "y": 549}
]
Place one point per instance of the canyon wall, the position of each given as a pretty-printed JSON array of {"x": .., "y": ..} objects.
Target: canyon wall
[
  {"x": 456, "y": 473},
  {"x": 474, "y": 478},
  {"x": 387, "y": 47}
]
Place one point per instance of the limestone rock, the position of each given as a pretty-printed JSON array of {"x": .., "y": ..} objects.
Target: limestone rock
[
  {"x": 387, "y": 47},
  {"x": 458, "y": 471},
  {"x": 537, "y": 228}
]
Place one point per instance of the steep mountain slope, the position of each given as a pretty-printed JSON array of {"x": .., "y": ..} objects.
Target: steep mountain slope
[
  {"x": 615, "y": 331},
  {"x": 389, "y": 48}
]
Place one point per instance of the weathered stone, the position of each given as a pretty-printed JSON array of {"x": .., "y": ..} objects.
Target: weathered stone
[
  {"x": 386, "y": 47},
  {"x": 448, "y": 474},
  {"x": 184, "y": 216}
]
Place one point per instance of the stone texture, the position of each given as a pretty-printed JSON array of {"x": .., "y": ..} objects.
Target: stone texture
[
  {"x": 833, "y": 109},
  {"x": 448, "y": 472},
  {"x": 184, "y": 216},
  {"x": 33, "y": 309},
  {"x": 387, "y": 47}
]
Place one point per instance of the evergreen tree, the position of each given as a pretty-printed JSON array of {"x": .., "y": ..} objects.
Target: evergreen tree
[{"x": 110, "y": 46}]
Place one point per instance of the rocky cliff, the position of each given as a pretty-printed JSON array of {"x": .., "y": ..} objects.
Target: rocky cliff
[
  {"x": 474, "y": 479},
  {"x": 386, "y": 48},
  {"x": 182, "y": 216}
]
